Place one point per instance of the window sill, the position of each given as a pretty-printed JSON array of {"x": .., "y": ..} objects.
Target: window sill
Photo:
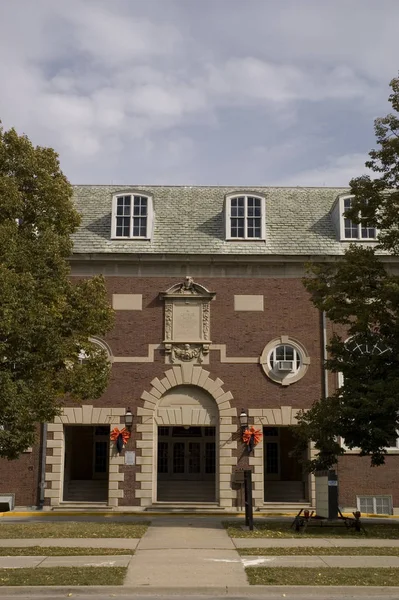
[
  {"x": 245, "y": 239},
  {"x": 134, "y": 239},
  {"x": 357, "y": 240}
]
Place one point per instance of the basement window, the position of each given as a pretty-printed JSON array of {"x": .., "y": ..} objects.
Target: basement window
[{"x": 376, "y": 505}]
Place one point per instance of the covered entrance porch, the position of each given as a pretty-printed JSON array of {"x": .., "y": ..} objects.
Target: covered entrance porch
[
  {"x": 86, "y": 463},
  {"x": 186, "y": 468},
  {"x": 187, "y": 397},
  {"x": 284, "y": 477}
]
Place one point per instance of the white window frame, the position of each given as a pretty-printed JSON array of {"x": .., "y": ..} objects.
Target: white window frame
[
  {"x": 342, "y": 218},
  {"x": 297, "y": 358},
  {"x": 285, "y": 377},
  {"x": 82, "y": 356},
  {"x": 374, "y": 498},
  {"x": 150, "y": 216},
  {"x": 228, "y": 216}
]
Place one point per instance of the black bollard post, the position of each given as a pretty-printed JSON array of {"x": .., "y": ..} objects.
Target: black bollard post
[{"x": 249, "y": 514}]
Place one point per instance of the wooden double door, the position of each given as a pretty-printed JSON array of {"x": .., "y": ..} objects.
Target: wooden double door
[{"x": 186, "y": 455}]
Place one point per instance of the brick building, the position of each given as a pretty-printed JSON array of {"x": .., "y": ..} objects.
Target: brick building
[{"x": 211, "y": 318}]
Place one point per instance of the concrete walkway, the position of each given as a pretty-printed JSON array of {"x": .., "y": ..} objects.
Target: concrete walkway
[
  {"x": 180, "y": 552},
  {"x": 183, "y": 553}
]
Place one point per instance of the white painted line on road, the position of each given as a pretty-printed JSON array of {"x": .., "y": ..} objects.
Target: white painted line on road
[
  {"x": 226, "y": 560},
  {"x": 108, "y": 563},
  {"x": 254, "y": 562}
]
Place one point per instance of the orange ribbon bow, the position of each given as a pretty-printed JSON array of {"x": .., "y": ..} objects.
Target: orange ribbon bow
[
  {"x": 252, "y": 436},
  {"x": 120, "y": 437}
]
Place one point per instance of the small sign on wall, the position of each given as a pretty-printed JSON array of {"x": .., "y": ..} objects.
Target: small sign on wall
[{"x": 130, "y": 458}]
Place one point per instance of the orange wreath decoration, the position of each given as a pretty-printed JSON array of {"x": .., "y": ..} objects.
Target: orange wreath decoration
[
  {"x": 251, "y": 437},
  {"x": 120, "y": 437}
]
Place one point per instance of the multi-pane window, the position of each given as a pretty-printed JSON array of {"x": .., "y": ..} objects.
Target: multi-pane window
[
  {"x": 246, "y": 216},
  {"x": 377, "y": 505},
  {"x": 355, "y": 231},
  {"x": 285, "y": 358},
  {"x": 360, "y": 346},
  {"x": 132, "y": 215},
  {"x": 210, "y": 457}
]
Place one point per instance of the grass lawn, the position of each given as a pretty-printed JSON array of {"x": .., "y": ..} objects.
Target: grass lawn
[
  {"x": 309, "y": 551},
  {"x": 63, "y": 576},
  {"x": 72, "y": 529},
  {"x": 282, "y": 529},
  {"x": 61, "y": 551},
  {"x": 324, "y": 576}
]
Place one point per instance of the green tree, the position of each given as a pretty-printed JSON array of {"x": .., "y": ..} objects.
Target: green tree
[
  {"x": 45, "y": 319},
  {"x": 360, "y": 294}
]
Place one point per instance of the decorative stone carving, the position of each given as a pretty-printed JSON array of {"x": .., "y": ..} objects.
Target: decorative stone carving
[
  {"x": 168, "y": 320},
  {"x": 186, "y": 353},
  {"x": 206, "y": 313},
  {"x": 187, "y": 322}
]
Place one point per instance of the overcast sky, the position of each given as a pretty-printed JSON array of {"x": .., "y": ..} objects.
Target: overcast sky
[{"x": 240, "y": 92}]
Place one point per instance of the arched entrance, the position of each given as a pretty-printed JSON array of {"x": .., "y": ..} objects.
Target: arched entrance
[
  {"x": 187, "y": 445},
  {"x": 186, "y": 453}
]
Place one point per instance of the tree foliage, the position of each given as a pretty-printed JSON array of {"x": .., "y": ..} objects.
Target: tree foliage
[
  {"x": 361, "y": 294},
  {"x": 45, "y": 319}
]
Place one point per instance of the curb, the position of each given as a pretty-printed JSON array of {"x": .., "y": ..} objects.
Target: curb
[
  {"x": 148, "y": 515},
  {"x": 290, "y": 592}
]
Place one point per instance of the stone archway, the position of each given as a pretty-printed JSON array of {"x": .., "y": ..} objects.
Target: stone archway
[{"x": 161, "y": 408}]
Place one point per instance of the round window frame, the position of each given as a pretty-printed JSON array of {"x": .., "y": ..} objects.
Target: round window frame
[
  {"x": 102, "y": 344},
  {"x": 282, "y": 379}
]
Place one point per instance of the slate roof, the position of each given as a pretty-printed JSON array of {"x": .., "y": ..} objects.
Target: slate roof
[{"x": 190, "y": 220}]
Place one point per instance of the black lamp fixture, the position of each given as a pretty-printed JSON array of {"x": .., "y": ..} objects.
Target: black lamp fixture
[
  {"x": 128, "y": 418},
  {"x": 243, "y": 420}
]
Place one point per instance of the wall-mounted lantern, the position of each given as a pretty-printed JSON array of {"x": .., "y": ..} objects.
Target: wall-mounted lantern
[
  {"x": 128, "y": 418},
  {"x": 243, "y": 421}
]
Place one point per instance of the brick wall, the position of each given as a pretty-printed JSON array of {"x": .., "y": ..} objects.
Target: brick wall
[
  {"x": 22, "y": 478},
  {"x": 357, "y": 478},
  {"x": 287, "y": 311}
]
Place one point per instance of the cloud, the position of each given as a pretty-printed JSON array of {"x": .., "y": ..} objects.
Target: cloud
[
  {"x": 334, "y": 172},
  {"x": 110, "y": 38},
  {"x": 243, "y": 80},
  {"x": 183, "y": 91}
]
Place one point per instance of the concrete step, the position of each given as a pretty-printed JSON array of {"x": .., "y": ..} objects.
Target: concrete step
[
  {"x": 292, "y": 498},
  {"x": 185, "y": 507},
  {"x": 79, "y": 506},
  {"x": 284, "y": 491},
  {"x": 87, "y": 483},
  {"x": 186, "y": 491},
  {"x": 86, "y": 490}
]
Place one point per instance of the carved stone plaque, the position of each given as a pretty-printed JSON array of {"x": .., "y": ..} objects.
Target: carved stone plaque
[{"x": 187, "y": 322}]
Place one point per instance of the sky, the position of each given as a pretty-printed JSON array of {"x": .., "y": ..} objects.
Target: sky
[{"x": 200, "y": 92}]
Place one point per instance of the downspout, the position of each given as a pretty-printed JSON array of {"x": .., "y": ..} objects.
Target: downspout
[
  {"x": 42, "y": 483},
  {"x": 324, "y": 325},
  {"x": 324, "y": 328}
]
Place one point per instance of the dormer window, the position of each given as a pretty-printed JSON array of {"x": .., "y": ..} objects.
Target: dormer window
[
  {"x": 245, "y": 217},
  {"x": 132, "y": 216},
  {"x": 351, "y": 230}
]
